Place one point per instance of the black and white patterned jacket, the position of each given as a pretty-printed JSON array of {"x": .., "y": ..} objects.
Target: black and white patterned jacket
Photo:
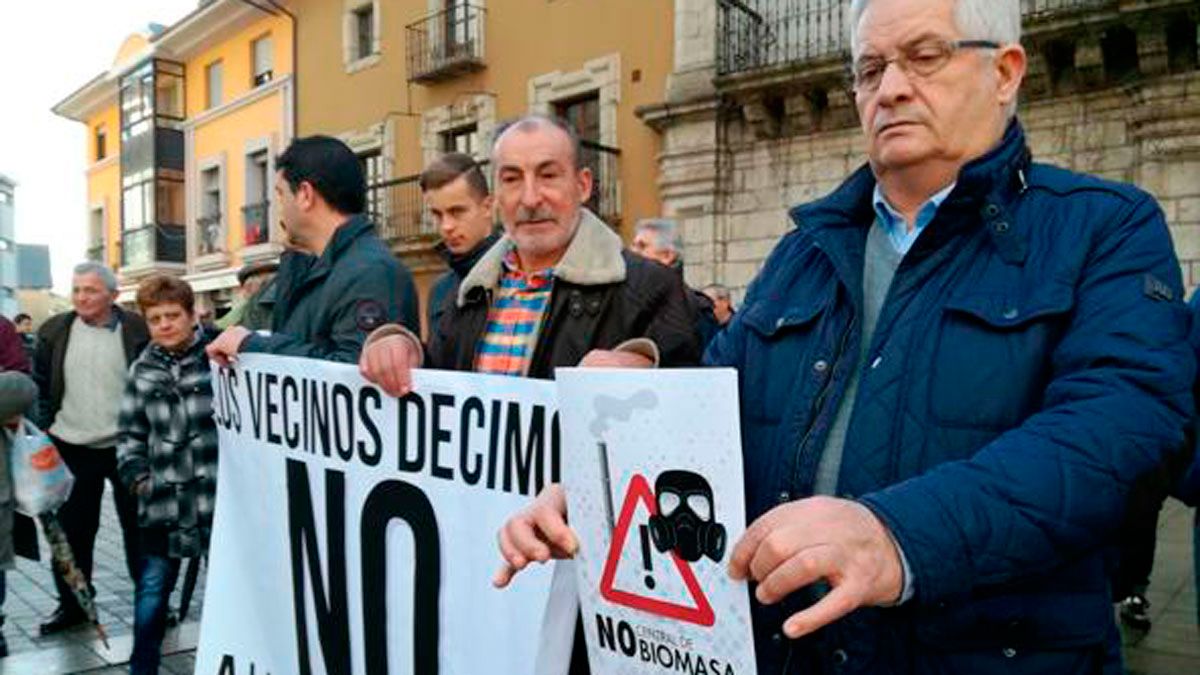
[{"x": 167, "y": 435}]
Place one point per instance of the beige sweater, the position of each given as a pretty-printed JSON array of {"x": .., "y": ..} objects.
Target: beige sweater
[{"x": 94, "y": 373}]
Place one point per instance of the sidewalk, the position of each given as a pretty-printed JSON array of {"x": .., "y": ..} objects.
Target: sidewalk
[{"x": 31, "y": 596}]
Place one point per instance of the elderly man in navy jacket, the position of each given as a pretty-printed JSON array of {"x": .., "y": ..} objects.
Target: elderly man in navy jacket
[{"x": 952, "y": 370}]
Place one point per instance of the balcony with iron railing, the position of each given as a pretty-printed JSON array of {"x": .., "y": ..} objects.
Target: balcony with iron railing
[
  {"x": 755, "y": 36},
  {"x": 396, "y": 209},
  {"x": 256, "y": 229},
  {"x": 446, "y": 44}
]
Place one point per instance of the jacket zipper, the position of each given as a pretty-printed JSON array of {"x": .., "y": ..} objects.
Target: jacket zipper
[{"x": 808, "y": 463}]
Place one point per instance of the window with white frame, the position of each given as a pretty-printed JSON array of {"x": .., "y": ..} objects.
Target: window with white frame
[
  {"x": 360, "y": 32},
  {"x": 372, "y": 164},
  {"x": 262, "y": 57},
  {"x": 96, "y": 234},
  {"x": 210, "y": 234}
]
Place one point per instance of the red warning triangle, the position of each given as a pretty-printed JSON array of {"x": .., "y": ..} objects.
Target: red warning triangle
[{"x": 701, "y": 614}]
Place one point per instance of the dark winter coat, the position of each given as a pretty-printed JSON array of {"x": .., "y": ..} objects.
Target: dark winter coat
[
  {"x": 325, "y": 306},
  {"x": 168, "y": 437},
  {"x": 1030, "y": 364},
  {"x": 442, "y": 289},
  {"x": 603, "y": 295}
]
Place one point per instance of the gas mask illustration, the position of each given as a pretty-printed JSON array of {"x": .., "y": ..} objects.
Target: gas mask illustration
[{"x": 686, "y": 521}]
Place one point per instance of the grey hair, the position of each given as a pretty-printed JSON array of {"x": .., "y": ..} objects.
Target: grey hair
[
  {"x": 719, "y": 290},
  {"x": 106, "y": 275},
  {"x": 538, "y": 122},
  {"x": 998, "y": 20},
  {"x": 666, "y": 234}
]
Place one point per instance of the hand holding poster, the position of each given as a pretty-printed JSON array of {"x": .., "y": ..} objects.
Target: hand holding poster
[
  {"x": 654, "y": 490},
  {"x": 355, "y": 532}
]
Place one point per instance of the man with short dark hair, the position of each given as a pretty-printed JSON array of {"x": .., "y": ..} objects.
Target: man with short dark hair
[
  {"x": 338, "y": 281},
  {"x": 80, "y": 368},
  {"x": 457, "y": 196}
]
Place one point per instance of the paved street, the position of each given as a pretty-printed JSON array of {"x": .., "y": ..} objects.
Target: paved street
[
  {"x": 1171, "y": 647},
  {"x": 31, "y": 597}
]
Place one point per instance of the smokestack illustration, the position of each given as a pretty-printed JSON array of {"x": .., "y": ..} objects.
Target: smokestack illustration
[{"x": 609, "y": 407}]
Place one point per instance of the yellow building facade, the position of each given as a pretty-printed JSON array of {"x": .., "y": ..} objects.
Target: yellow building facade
[
  {"x": 404, "y": 80},
  {"x": 183, "y": 129}
]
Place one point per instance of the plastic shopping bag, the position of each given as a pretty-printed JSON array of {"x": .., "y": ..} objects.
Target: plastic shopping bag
[{"x": 41, "y": 480}]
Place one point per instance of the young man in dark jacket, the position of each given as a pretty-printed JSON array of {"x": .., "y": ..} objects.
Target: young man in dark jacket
[
  {"x": 167, "y": 455},
  {"x": 80, "y": 368},
  {"x": 338, "y": 281},
  {"x": 455, "y": 191}
]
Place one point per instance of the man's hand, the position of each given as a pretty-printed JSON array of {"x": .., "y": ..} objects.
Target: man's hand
[
  {"x": 605, "y": 358},
  {"x": 388, "y": 362},
  {"x": 224, "y": 349},
  {"x": 537, "y": 533},
  {"x": 796, "y": 544}
]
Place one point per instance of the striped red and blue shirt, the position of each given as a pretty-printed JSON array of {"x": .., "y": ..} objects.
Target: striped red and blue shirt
[{"x": 514, "y": 320}]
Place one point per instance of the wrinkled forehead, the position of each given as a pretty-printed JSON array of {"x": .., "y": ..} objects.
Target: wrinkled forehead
[
  {"x": 533, "y": 147},
  {"x": 886, "y": 25}
]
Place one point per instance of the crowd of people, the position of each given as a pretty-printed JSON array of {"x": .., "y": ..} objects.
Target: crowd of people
[{"x": 966, "y": 378}]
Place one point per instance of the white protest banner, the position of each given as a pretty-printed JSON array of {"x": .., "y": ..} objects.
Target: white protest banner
[
  {"x": 355, "y": 532},
  {"x": 654, "y": 492}
]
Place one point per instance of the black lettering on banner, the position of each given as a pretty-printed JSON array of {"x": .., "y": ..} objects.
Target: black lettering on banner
[
  {"x": 370, "y": 457},
  {"x": 318, "y": 414},
  {"x": 255, "y": 402},
  {"x": 227, "y": 667},
  {"x": 343, "y": 418},
  {"x": 470, "y": 475},
  {"x": 555, "y": 444},
  {"x": 604, "y": 626},
  {"x": 333, "y": 625},
  {"x": 272, "y": 408},
  {"x": 291, "y": 428},
  {"x": 441, "y": 435},
  {"x": 414, "y": 464},
  {"x": 531, "y": 460},
  {"x": 387, "y": 501},
  {"x": 493, "y": 445},
  {"x": 225, "y": 404}
]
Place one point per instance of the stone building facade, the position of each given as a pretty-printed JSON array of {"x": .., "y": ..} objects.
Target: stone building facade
[{"x": 758, "y": 115}]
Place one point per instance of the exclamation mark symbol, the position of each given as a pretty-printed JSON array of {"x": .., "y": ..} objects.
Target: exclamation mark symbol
[{"x": 645, "y": 531}]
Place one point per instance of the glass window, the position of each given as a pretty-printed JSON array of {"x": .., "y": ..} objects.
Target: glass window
[
  {"x": 214, "y": 77},
  {"x": 364, "y": 33},
  {"x": 263, "y": 57},
  {"x": 101, "y": 142},
  {"x": 461, "y": 139},
  {"x": 168, "y": 96},
  {"x": 169, "y": 198}
]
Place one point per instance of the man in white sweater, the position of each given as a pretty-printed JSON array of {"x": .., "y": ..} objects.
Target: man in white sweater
[{"x": 80, "y": 367}]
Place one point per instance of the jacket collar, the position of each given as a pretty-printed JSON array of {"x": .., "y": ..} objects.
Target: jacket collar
[
  {"x": 988, "y": 185},
  {"x": 593, "y": 258},
  {"x": 356, "y": 226},
  {"x": 462, "y": 264}
]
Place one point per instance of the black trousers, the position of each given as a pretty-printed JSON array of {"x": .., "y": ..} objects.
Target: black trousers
[
  {"x": 1136, "y": 543},
  {"x": 80, "y": 515}
]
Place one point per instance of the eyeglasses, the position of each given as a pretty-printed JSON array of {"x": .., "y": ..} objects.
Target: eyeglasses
[{"x": 921, "y": 59}]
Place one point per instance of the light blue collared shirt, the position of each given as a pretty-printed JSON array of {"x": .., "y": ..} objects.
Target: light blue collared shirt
[{"x": 894, "y": 224}]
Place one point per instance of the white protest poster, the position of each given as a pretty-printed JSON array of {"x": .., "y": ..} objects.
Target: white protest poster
[
  {"x": 653, "y": 476},
  {"x": 356, "y": 533}
]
